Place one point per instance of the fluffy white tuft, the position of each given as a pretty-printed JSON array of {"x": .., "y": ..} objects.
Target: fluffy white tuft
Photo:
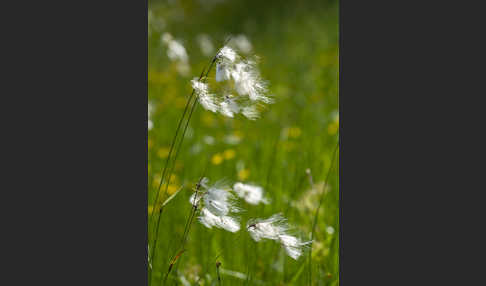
[
  {"x": 219, "y": 204},
  {"x": 276, "y": 228},
  {"x": 206, "y": 99},
  {"x": 250, "y": 193},
  {"x": 227, "y": 54}
]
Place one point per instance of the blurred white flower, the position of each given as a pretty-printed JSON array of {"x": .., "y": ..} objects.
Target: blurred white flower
[
  {"x": 209, "y": 140},
  {"x": 177, "y": 53},
  {"x": 175, "y": 50},
  {"x": 276, "y": 228},
  {"x": 330, "y": 230},
  {"x": 205, "y": 44},
  {"x": 232, "y": 139},
  {"x": 250, "y": 193},
  {"x": 155, "y": 23},
  {"x": 150, "y": 123},
  {"x": 242, "y": 43}
]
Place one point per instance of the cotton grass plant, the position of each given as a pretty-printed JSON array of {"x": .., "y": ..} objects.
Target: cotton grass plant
[
  {"x": 214, "y": 231},
  {"x": 251, "y": 89}
]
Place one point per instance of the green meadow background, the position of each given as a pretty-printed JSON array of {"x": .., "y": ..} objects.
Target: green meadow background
[{"x": 298, "y": 48}]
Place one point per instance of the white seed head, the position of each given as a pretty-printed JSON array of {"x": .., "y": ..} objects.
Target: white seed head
[
  {"x": 206, "y": 99},
  {"x": 250, "y": 193},
  {"x": 229, "y": 107},
  {"x": 269, "y": 228},
  {"x": 250, "y": 112},
  {"x": 293, "y": 246},
  {"x": 208, "y": 219},
  {"x": 248, "y": 81},
  {"x": 223, "y": 72},
  {"x": 243, "y": 78},
  {"x": 227, "y": 54},
  {"x": 276, "y": 228},
  {"x": 219, "y": 201},
  {"x": 219, "y": 204}
]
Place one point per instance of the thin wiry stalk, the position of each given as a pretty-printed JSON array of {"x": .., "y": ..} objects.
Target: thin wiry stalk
[
  {"x": 218, "y": 264},
  {"x": 168, "y": 160},
  {"x": 186, "y": 230},
  {"x": 317, "y": 211},
  {"x": 188, "y": 223},
  {"x": 176, "y": 155},
  {"x": 154, "y": 246},
  {"x": 177, "y": 152},
  {"x": 179, "y": 125},
  {"x": 172, "y": 146}
]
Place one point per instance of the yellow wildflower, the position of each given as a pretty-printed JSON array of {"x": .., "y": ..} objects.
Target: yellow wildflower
[
  {"x": 156, "y": 181},
  {"x": 243, "y": 174},
  {"x": 150, "y": 209},
  {"x": 172, "y": 189},
  {"x": 294, "y": 132},
  {"x": 229, "y": 154},
  {"x": 163, "y": 152},
  {"x": 333, "y": 127},
  {"x": 217, "y": 159}
]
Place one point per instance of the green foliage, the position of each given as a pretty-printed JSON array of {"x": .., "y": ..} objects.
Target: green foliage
[{"x": 297, "y": 43}]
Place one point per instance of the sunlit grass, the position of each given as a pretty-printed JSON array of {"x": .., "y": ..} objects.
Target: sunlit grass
[{"x": 298, "y": 50}]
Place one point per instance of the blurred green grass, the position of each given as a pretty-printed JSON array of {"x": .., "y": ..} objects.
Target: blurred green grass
[{"x": 297, "y": 42}]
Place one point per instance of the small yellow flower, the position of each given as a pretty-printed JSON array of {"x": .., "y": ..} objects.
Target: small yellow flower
[
  {"x": 229, "y": 154},
  {"x": 294, "y": 132},
  {"x": 243, "y": 174},
  {"x": 217, "y": 159},
  {"x": 333, "y": 128},
  {"x": 163, "y": 152},
  {"x": 172, "y": 189},
  {"x": 173, "y": 179},
  {"x": 156, "y": 181}
]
